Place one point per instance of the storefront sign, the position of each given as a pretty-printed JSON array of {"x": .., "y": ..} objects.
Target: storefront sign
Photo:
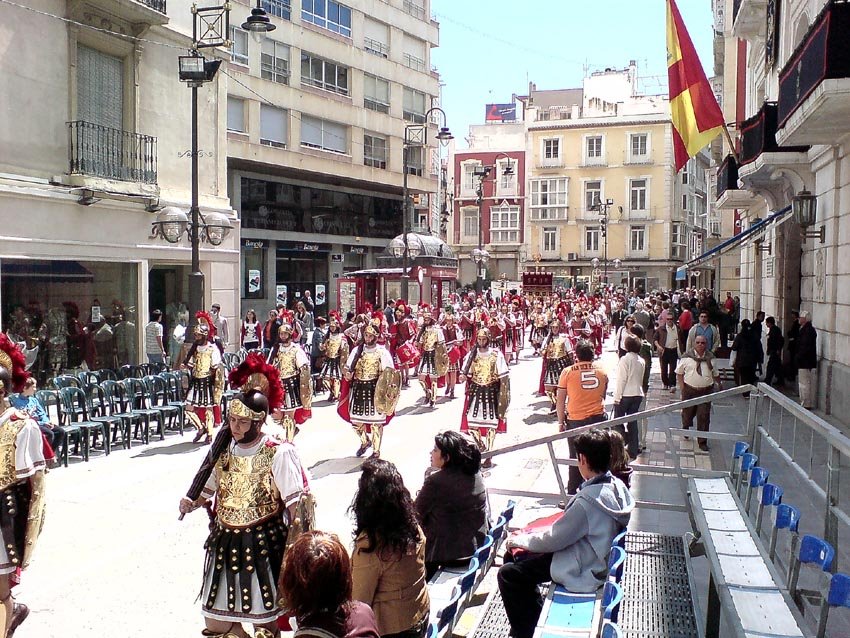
[
  {"x": 280, "y": 294},
  {"x": 256, "y": 244},
  {"x": 254, "y": 281},
  {"x": 357, "y": 250},
  {"x": 321, "y": 296},
  {"x": 313, "y": 248},
  {"x": 337, "y": 258},
  {"x": 95, "y": 314}
]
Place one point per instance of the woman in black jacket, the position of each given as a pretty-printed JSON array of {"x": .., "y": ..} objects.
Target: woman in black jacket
[
  {"x": 746, "y": 346},
  {"x": 452, "y": 504}
]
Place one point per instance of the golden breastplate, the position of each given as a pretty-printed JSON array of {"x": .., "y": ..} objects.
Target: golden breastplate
[
  {"x": 557, "y": 349},
  {"x": 368, "y": 366},
  {"x": 286, "y": 363},
  {"x": 203, "y": 363},
  {"x": 540, "y": 322},
  {"x": 9, "y": 430},
  {"x": 483, "y": 370},
  {"x": 332, "y": 347},
  {"x": 247, "y": 493},
  {"x": 429, "y": 340}
]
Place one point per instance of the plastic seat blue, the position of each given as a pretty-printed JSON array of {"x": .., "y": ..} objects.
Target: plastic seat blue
[
  {"x": 616, "y": 559},
  {"x": 612, "y": 596},
  {"x": 787, "y": 517},
  {"x": 838, "y": 595},
  {"x": 741, "y": 448},
  {"x": 433, "y": 630},
  {"x": 816, "y": 551},
  {"x": 771, "y": 496},
  {"x": 569, "y": 611},
  {"x": 448, "y": 613},
  {"x": 620, "y": 539},
  {"x": 483, "y": 552},
  {"x": 748, "y": 462},
  {"x": 498, "y": 531},
  {"x": 508, "y": 512},
  {"x": 758, "y": 477},
  {"x": 467, "y": 579},
  {"x": 611, "y": 630}
]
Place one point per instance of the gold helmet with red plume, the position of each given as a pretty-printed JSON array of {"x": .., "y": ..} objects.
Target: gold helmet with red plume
[
  {"x": 14, "y": 365},
  {"x": 255, "y": 374},
  {"x": 205, "y": 326},
  {"x": 334, "y": 319},
  {"x": 287, "y": 322}
]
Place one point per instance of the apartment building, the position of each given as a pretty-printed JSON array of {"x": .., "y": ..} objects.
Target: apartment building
[
  {"x": 604, "y": 143},
  {"x": 94, "y": 141},
  {"x": 792, "y": 80},
  {"x": 317, "y": 112}
]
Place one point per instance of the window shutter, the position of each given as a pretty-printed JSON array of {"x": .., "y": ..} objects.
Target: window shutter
[
  {"x": 100, "y": 88},
  {"x": 272, "y": 124}
]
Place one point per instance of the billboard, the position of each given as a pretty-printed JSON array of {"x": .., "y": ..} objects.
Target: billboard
[{"x": 500, "y": 113}]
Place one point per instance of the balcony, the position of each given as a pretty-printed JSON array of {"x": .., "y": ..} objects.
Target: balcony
[
  {"x": 749, "y": 19},
  {"x": 758, "y": 135},
  {"x": 112, "y": 154},
  {"x": 142, "y": 14},
  {"x": 814, "y": 85},
  {"x": 550, "y": 162}
]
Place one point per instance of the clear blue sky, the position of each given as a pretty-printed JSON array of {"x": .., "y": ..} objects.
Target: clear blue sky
[{"x": 491, "y": 49}]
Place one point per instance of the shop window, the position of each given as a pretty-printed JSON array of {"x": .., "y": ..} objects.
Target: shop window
[{"x": 254, "y": 270}]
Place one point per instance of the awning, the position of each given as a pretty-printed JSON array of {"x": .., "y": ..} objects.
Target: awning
[
  {"x": 46, "y": 271},
  {"x": 731, "y": 243}
]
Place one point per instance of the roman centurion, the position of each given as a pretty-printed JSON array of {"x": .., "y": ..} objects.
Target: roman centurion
[
  {"x": 293, "y": 365},
  {"x": 434, "y": 362},
  {"x": 335, "y": 348},
  {"x": 204, "y": 362}
]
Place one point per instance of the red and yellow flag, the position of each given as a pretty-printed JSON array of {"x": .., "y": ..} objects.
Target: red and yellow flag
[{"x": 697, "y": 118}]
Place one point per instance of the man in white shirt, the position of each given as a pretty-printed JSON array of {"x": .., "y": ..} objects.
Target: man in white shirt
[
  {"x": 154, "y": 349},
  {"x": 220, "y": 323},
  {"x": 697, "y": 376}
]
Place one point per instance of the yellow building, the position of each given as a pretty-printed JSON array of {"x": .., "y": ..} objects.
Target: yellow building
[{"x": 605, "y": 144}]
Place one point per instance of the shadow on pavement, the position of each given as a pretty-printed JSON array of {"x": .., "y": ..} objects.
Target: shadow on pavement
[
  {"x": 532, "y": 419},
  {"x": 345, "y": 465},
  {"x": 178, "y": 448}
]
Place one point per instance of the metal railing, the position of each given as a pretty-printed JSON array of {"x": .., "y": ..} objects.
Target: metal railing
[
  {"x": 156, "y": 5},
  {"x": 111, "y": 153},
  {"x": 414, "y": 9}
]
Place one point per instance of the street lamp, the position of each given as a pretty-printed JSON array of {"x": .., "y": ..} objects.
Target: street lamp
[
  {"x": 481, "y": 172},
  {"x": 602, "y": 208},
  {"x": 805, "y": 209},
  {"x": 415, "y": 136}
]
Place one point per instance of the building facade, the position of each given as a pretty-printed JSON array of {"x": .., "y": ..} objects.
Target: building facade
[
  {"x": 95, "y": 141},
  {"x": 324, "y": 117},
  {"x": 793, "y": 81}
]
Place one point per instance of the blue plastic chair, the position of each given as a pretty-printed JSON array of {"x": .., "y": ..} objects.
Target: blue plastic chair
[
  {"x": 433, "y": 630},
  {"x": 612, "y": 596},
  {"x": 813, "y": 551},
  {"x": 787, "y": 517},
  {"x": 748, "y": 462},
  {"x": 508, "y": 512},
  {"x": 758, "y": 477},
  {"x": 467, "y": 580},
  {"x": 611, "y": 630},
  {"x": 620, "y": 539},
  {"x": 446, "y": 618},
  {"x": 498, "y": 532},
  {"x": 838, "y": 595},
  {"x": 616, "y": 560},
  {"x": 483, "y": 556},
  {"x": 771, "y": 496}
]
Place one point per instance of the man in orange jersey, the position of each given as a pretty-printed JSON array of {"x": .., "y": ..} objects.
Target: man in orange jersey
[{"x": 581, "y": 392}]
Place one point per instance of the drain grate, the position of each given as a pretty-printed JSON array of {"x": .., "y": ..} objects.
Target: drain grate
[{"x": 494, "y": 623}]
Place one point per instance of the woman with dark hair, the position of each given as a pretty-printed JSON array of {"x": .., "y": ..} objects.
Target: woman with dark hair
[
  {"x": 388, "y": 561},
  {"x": 251, "y": 331},
  {"x": 315, "y": 587},
  {"x": 452, "y": 505}
]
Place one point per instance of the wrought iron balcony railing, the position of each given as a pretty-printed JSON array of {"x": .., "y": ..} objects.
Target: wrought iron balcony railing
[
  {"x": 156, "y": 5},
  {"x": 111, "y": 153}
]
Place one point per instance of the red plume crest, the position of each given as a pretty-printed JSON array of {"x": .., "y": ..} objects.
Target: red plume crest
[
  {"x": 18, "y": 370},
  {"x": 255, "y": 373},
  {"x": 205, "y": 317}
]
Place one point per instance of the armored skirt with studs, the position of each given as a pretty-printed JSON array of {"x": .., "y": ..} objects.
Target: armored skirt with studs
[
  {"x": 428, "y": 363},
  {"x": 204, "y": 364},
  {"x": 245, "y": 548},
  {"x": 332, "y": 368},
  {"x": 482, "y": 407},
  {"x": 362, "y": 407},
  {"x": 538, "y": 335},
  {"x": 291, "y": 392},
  {"x": 554, "y": 367}
]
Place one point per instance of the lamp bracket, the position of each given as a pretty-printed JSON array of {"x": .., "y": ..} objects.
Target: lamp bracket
[
  {"x": 415, "y": 135},
  {"x": 763, "y": 247},
  {"x": 211, "y": 26},
  {"x": 820, "y": 234}
]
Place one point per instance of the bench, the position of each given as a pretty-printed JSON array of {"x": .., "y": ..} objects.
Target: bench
[{"x": 743, "y": 580}]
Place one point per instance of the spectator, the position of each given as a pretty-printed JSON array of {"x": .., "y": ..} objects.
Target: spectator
[
  {"x": 793, "y": 336},
  {"x": 452, "y": 505},
  {"x": 646, "y": 355},
  {"x": 304, "y": 320},
  {"x": 309, "y": 304},
  {"x": 725, "y": 326},
  {"x": 581, "y": 391},
  {"x": 623, "y": 333},
  {"x": 704, "y": 329},
  {"x": 270, "y": 329},
  {"x": 249, "y": 336},
  {"x": 27, "y": 402},
  {"x": 643, "y": 317},
  {"x": 628, "y": 393},
  {"x": 315, "y": 341},
  {"x": 807, "y": 361},
  {"x": 697, "y": 377},
  {"x": 316, "y": 586},
  {"x": 746, "y": 349},
  {"x": 389, "y": 312},
  {"x": 620, "y": 458},
  {"x": 154, "y": 349},
  {"x": 220, "y": 323},
  {"x": 757, "y": 330},
  {"x": 574, "y": 552},
  {"x": 736, "y": 314},
  {"x": 775, "y": 341},
  {"x": 667, "y": 346},
  {"x": 686, "y": 322},
  {"x": 388, "y": 562}
]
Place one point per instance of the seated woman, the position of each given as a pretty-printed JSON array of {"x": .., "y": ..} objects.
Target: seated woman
[
  {"x": 315, "y": 587},
  {"x": 452, "y": 505},
  {"x": 388, "y": 561}
]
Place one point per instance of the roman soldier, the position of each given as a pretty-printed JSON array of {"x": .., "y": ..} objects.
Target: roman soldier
[
  {"x": 21, "y": 484},
  {"x": 255, "y": 485},
  {"x": 369, "y": 391},
  {"x": 466, "y": 322},
  {"x": 488, "y": 392},
  {"x": 539, "y": 327},
  {"x": 557, "y": 355},
  {"x": 403, "y": 350},
  {"x": 519, "y": 325},
  {"x": 455, "y": 347},
  {"x": 433, "y": 363},
  {"x": 204, "y": 363},
  {"x": 293, "y": 365},
  {"x": 335, "y": 348}
]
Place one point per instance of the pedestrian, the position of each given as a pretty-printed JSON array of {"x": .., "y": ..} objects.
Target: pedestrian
[
  {"x": 220, "y": 323},
  {"x": 758, "y": 332},
  {"x": 697, "y": 377},
  {"x": 704, "y": 329},
  {"x": 793, "y": 335},
  {"x": 807, "y": 361},
  {"x": 251, "y": 332},
  {"x": 154, "y": 349},
  {"x": 623, "y": 333},
  {"x": 270, "y": 330},
  {"x": 389, "y": 311},
  {"x": 746, "y": 350},
  {"x": 628, "y": 393},
  {"x": 309, "y": 304},
  {"x": 667, "y": 346},
  {"x": 646, "y": 355},
  {"x": 581, "y": 391},
  {"x": 775, "y": 341},
  {"x": 685, "y": 323}
]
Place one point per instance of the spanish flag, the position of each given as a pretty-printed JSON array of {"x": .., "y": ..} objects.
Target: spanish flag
[{"x": 697, "y": 118}]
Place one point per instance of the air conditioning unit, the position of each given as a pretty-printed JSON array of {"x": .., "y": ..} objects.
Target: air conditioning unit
[{"x": 572, "y": 256}]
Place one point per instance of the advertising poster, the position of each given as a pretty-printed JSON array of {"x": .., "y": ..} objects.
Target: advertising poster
[
  {"x": 254, "y": 281},
  {"x": 280, "y": 294},
  {"x": 321, "y": 295}
]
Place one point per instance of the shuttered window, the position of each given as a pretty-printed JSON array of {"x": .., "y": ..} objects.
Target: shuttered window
[{"x": 100, "y": 88}]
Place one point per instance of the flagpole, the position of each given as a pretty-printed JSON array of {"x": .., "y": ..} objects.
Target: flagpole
[{"x": 729, "y": 139}]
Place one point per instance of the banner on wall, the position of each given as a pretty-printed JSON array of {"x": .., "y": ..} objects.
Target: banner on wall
[
  {"x": 321, "y": 295},
  {"x": 254, "y": 281},
  {"x": 280, "y": 294}
]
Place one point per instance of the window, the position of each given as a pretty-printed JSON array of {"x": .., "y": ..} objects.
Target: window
[
  {"x": 504, "y": 225},
  {"x": 594, "y": 147},
  {"x": 323, "y": 74},
  {"x": 376, "y": 94},
  {"x": 374, "y": 150},
  {"x": 685, "y": 203},
  {"x": 551, "y": 150},
  {"x": 685, "y": 176},
  {"x": 550, "y": 239},
  {"x": 239, "y": 51},
  {"x": 235, "y": 114},
  {"x": 637, "y": 239},
  {"x": 591, "y": 239},
  {"x": 376, "y": 39},
  {"x": 637, "y": 194},
  {"x": 470, "y": 223},
  {"x": 592, "y": 194},
  {"x": 100, "y": 89},
  {"x": 324, "y": 135},
  {"x": 279, "y": 8},
  {"x": 676, "y": 234},
  {"x": 639, "y": 145},
  {"x": 506, "y": 186},
  {"x": 714, "y": 227},
  {"x": 414, "y": 53},
  {"x": 273, "y": 126},
  {"x": 327, "y": 14},
  {"x": 414, "y": 106},
  {"x": 274, "y": 61},
  {"x": 413, "y": 162},
  {"x": 469, "y": 181},
  {"x": 549, "y": 199},
  {"x": 415, "y": 8}
]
